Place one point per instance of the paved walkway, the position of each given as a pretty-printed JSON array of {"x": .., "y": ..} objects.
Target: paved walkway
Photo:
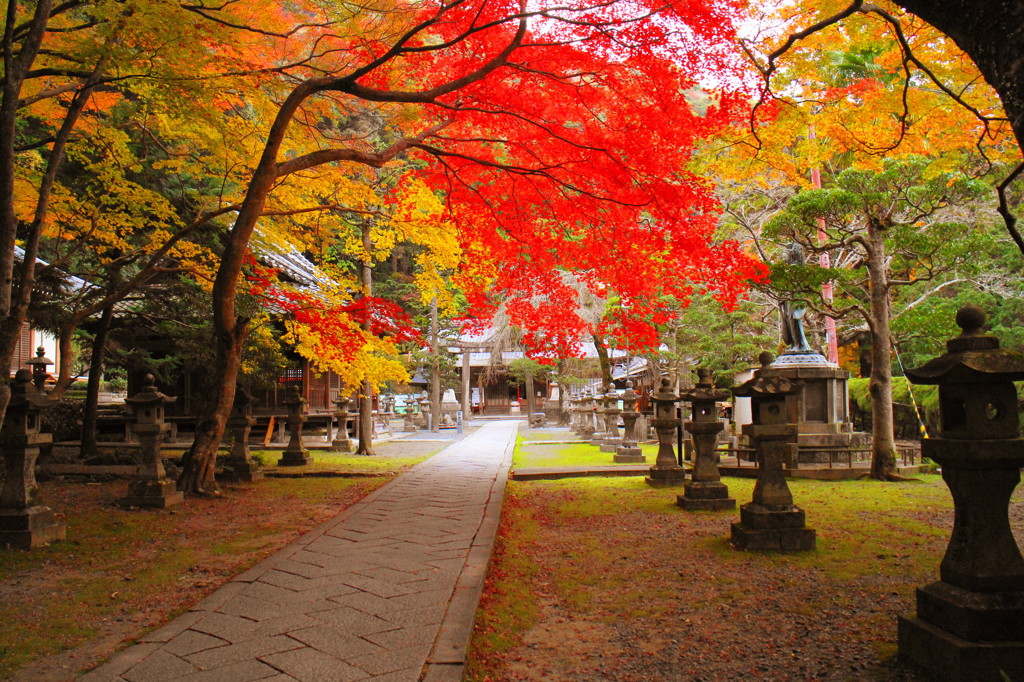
[{"x": 386, "y": 591}]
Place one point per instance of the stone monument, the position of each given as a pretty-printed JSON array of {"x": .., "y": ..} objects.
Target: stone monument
[
  {"x": 599, "y": 434},
  {"x": 25, "y": 522},
  {"x": 705, "y": 490},
  {"x": 770, "y": 521},
  {"x": 628, "y": 451},
  {"x": 586, "y": 415},
  {"x": 152, "y": 488},
  {"x": 970, "y": 624},
  {"x": 240, "y": 465},
  {"x": 666, "y": 471},
  {"x": 819, "y": 404},
  {"x": 295, "y": 454}
]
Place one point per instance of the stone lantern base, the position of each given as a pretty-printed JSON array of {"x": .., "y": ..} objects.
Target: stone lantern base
[
  {"x": 630, "y": 455},
  {"x": 767, "y": 529},
  {"x": 705, "y": 496},
  {"x": 240, "y": 471},
  {"x": 29, "y": 528},
  {"x": 341, "y": 445},
  {"x": 295, "y": 458},
  {"x": 610, "y": 444},
  {"x": 666, "y": 478},
  {"x": 152, "y": 494},
  {"x": 964, "y": 635}
]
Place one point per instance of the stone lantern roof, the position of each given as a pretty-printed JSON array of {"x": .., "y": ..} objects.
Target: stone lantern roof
[{"x": 971, "y": 357}]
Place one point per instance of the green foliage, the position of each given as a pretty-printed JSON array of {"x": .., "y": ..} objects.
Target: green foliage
[{"x": 521, "y": 368}]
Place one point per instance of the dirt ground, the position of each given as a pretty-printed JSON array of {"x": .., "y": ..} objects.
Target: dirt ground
[{"x": 656, "y": 594}]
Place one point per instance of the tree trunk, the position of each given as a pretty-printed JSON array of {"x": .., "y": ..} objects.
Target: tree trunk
[
  {"x": 435, "y": 369},
  {"x": 92, "y": 391},
  {"x": 199, "y": 466},
  {"x": 531, "y": 397},
  {"x": 992, "y": 34},
  {"x": 883, "y": 441},
  {"x": 604, "y": 362},
  {"x": 365, "y": 446}
]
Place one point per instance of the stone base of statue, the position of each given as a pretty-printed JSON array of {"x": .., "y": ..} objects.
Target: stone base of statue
[
  {"x": 610, "y": 444},
  {"x": 240, "y": 471},
  {"x": 964, "y": 635},
  {"x": 705, "y": 496},
  {"x": 295, "y": 458},
  {"x": 152, "y": 494},
  {"x": 629, "y": 455},
  {"x": 666, "y": 477},
  {"x": 772, "y": 529},
  {"x": 28, "y": 528},
  {"x": 597, "y": 438}
]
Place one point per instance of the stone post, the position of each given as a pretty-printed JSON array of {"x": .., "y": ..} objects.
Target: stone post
[
  {"x": 240, "y": 466},
  {"x": 705, "y": 490},
  {"x": 628, "y": 451},
  {"x": 666, "y": 471},
  {"x": 341, "y": 442},
  {"x": 770, "y": 521},
  {"x": 152, "y": 488},
  {"x": 295, "y": 455},
  {"x": 25, "y": 522},
  {"x": 970, "y": 624}
]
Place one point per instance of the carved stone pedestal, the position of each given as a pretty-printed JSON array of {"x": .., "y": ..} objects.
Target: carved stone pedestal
[
  {"x": 628, "y": 451},
  {"x": 28, "y": 528},
  {"x": 152, "y": 494}
]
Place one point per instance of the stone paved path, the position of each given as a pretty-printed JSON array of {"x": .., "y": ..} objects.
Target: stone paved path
[{"x": 386, "y": 591}]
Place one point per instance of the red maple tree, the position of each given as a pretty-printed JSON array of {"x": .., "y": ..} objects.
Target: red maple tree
[{"x": 558, "y": 132}]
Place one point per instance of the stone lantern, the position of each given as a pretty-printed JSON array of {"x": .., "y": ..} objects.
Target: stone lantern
[
  {"x": 705, "y": 490},
  {"x": 39, "y": 364},
  {"x": 586, "y": 428},
  {"x": 422, "y": 418},
  {"x": 628, "y": 451},
  {"x": 612, "y": 439},
  {"x": 24, "y": 521},
  {"x": 240, "y": 465},
  {"x": 341, "y": 442},
  {"x": 770, "y": 521},
  {"x": 151, "y": 488},
  {"x": 295, "y": 454},
  {"x": 666, "y": 471},
  {"x": 970, "y": 624}
]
